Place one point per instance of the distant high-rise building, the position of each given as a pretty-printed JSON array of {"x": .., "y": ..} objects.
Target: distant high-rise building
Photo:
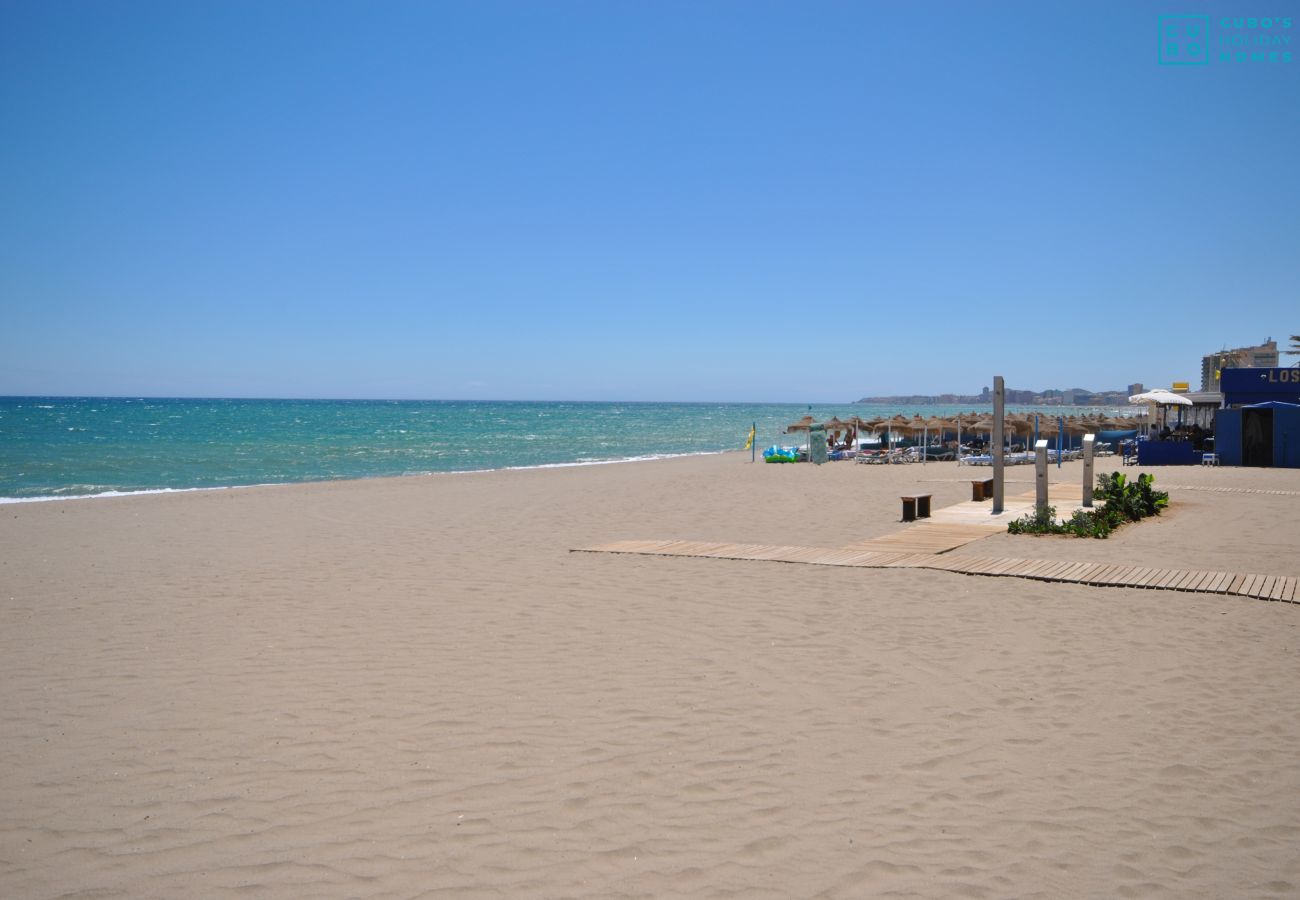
[
  {"x": 1262, "y": 357},
  {"x": 1136, "y": 388}
]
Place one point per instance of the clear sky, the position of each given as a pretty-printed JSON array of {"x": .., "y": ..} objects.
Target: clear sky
[{"x": 795, "y": 201}]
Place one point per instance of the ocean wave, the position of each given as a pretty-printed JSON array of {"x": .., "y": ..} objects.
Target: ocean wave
[
  {"x": 236, "y": 487},
  {"x": 190, "y": 490}
]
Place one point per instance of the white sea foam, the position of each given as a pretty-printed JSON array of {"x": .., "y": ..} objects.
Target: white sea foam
[
  {"x": 224, "y": 487},
  {"x": 235, "y": 487}
]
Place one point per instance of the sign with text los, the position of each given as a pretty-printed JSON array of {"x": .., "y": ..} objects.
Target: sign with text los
[{"x": 1241, "y": 386}]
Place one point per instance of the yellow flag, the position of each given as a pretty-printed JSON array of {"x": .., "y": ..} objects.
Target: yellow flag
[{"x": 749, "y": 441}]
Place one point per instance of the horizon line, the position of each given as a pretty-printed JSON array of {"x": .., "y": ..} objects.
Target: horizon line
[{"x": 859, "y": 402}]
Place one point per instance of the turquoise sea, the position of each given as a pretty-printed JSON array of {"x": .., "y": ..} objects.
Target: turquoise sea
[{"x": 59, "y": 447}]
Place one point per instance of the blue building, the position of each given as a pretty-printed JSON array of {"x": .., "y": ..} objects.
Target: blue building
[{"x": 1260, "y": 425}]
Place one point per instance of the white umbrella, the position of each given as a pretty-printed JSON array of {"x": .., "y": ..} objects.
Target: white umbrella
[{"x": 1160, "y": 397}]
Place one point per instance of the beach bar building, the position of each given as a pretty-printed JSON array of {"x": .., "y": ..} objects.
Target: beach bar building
[{"x": 1260, "y": 425}]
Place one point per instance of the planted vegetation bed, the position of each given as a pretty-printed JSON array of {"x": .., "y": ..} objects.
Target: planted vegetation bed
[{"x": 1122, "y": 501}]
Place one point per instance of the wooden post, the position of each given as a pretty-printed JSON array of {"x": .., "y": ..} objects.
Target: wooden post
[
  {"x": 1040, "y": 475},
  {"x": 999, "y": 456},
  {"x": 1088, "y": 441}
]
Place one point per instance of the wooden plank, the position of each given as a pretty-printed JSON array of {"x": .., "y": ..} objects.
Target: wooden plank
[
  {"x": 1169, "y": 578},
  {"x": 1216, "y": 583},
  {"x": 859, "y": 558},
  {"x": 1150, "y": 574},
  {"x": 839, "y": 557},
  {"x": 1157, "y": 575},
  {"x": 705, "y": 549},
  {"x": 1105, "y": 575},
  {"x": 1122, "y": 576},
  {"x": 1053, "y": 572},
  {"x": 917, "y": 551},
  {"x": 1052, "y": 569},
  {"x": 1278, "y": 587},
  {"x": 913, "y": 560},
  {"x": 1146, "y": 574},
  {"x": 1091, "y": 573},
  {"x": 1134, "y": 575},
  {"x": 1002, "y": 566},
  {"x": 1085, "y": 573},
  {"x": 1070, "y": 572},
  {"x": 1037, "y": 569}
]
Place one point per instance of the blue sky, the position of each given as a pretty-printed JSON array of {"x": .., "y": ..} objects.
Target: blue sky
[{"x": 804, "y": 202}]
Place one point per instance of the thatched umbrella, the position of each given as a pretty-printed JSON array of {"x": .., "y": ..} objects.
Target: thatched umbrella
[
  {"x": 898, "y": 422},
  {"x": 835, "y": 425},
  {"x": 802, "y": 425},
  {"x": 1018, "y": 423},
  {"x": 961, "y": 419},
  {"x": 983, "y": 423},
  {"x": 936, "y": 424},
  {"x": 1078, "y": 425}
]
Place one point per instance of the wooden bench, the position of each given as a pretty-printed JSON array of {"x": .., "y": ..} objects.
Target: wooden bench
[
  {"x": 981, "y": 489},
  {"x": 916, "y": 506}
]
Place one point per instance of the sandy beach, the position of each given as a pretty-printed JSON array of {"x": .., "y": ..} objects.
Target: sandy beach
[{"x": 411, "y": 687}]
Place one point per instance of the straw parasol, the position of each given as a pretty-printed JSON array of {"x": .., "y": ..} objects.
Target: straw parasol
[
  {"x": 897, "y": 423},
  {"x": 836, "y": 425}
]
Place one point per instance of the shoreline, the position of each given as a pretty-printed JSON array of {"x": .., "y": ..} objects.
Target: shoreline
[{"x": 265, "y": 484}]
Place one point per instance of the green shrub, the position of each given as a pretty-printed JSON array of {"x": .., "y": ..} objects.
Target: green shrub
[
  {"x": 1125, "y": 501},
  {"x": 1040, "y": 521}
]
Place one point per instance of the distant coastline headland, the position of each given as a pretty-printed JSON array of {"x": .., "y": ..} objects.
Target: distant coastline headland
[{"x": 1050, "y": 397}]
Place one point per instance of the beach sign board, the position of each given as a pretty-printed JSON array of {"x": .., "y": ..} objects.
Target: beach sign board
[{"x": 817, "y": 444}]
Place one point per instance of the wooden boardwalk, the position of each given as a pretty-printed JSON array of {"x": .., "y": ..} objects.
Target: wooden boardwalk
[
  {"x": 964, "y": 523},
  {"x": 1059, "y": 486},
  {"x": 926, "y": 545},
  {"x": 1263, "y": 587}
]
